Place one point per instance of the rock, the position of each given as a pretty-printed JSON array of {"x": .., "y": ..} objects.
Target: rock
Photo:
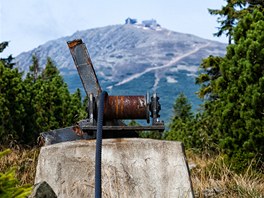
[
  {"x": 212, "y": 192},
  {"x": 131, "y": 167},
  {"x": 192, "y": 165},
  {"x": 42, "y": 190}
]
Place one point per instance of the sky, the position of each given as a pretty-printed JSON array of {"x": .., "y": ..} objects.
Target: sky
[{"x": 30, "y": 23}]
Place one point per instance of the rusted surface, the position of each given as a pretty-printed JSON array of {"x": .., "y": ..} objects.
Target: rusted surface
[
  {"x": 85, "y": 67},
  {"x": 125, "y": 107},
  {"x": 73, "y": 43}
]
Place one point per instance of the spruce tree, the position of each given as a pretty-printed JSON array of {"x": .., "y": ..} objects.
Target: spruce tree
[
  {"x": 179, "y": 128},
  {"x": 231, "y": 13},
  {"x": 7, "y": 62},
  {"x": 76, "y": 110},
  {"x": 235, "y": 113},
  {"x": 12, "y": 100},
  {"x": 39, "y": 102},
  {"x": 32, "y": 83},
  {"x": 34, "y": 68},
  {"x": 51, "y": 98},
  {"x": 54, "y": 106}
]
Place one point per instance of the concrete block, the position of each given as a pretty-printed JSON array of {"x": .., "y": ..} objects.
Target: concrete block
[{"x": 131, "y": 167}]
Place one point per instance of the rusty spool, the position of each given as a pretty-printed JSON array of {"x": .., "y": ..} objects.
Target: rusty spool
[{"x": 126, "y": 107}]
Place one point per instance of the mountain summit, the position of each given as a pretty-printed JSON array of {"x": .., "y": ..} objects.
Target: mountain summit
[{"x": 132, "y": 59}]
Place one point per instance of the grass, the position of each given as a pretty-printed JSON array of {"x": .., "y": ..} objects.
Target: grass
[
  {"x": 24, "y": 161},
  {"x": 211, "y": 177}
]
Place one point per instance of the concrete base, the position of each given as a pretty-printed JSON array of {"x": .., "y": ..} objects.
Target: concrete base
[{"x": 130, "y": 168}]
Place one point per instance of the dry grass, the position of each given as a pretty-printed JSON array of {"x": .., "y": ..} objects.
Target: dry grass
[
  {"x": 25, "y": 162},
  {"x": 211, "y": 177}
]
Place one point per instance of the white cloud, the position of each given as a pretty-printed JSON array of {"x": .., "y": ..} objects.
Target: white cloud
[{"x": 29, "y": 23}]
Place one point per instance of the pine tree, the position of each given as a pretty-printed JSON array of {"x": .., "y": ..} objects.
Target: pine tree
[
  {"x": 228, "y": 16},
  {"x": 211, "y": 71},
  {"x": 49, "y": 98},
  {"x": 182, "y": 108},
  {"x": 38, "y": 103},
  {"x": 231, "y": 13},
  {"x": 12, "y": 100},
  {"x": 50, "y": 71},
  {"x": 32, "y": 83},
  {"x": 179, "y": 128},
  {"x": 76, "y": 109},
  {"x": 54, "y": 106},
  {"x": 7, "y": 62},
  {"x": 34, "y": 68},
  {"x": 235, "y": 112}
]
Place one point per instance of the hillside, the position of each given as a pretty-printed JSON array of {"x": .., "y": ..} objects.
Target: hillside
[{"x": 133, "y": 59}]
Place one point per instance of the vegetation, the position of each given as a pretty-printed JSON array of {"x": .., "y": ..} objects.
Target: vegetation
[
  {"x": 182, "y": 118},
  {"x": 230, "y": 14},
  {"x": 211, "y": 175},
  {"x": 228, "y": 17},
  {"x": 224, "y": 140},
  {"x": 146, "y": 134},
  {"x": 9, "y": 184},
  {"x": 232, "y": 119},
  {"x": 39, "y": 102},
  {"x": 29, "y": 104}
]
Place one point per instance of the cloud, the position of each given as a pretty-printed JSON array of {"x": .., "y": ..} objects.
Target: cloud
[{"x": 29, "y": 23}]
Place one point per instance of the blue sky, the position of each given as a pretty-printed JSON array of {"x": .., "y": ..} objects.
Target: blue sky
[{"x": 30, "y": 23}]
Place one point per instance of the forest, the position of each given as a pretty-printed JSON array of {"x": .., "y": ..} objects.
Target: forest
[{"x": 225, "y": 138}]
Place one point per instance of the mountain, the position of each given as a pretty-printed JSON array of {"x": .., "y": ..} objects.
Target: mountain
[{"x": 134, "y": 59}]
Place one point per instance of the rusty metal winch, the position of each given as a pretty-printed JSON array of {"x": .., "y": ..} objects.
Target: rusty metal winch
[{"x": 116, "y": 108}]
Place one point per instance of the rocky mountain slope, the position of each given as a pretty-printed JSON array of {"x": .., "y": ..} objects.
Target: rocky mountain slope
[{"x": 134, "y": 59}]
